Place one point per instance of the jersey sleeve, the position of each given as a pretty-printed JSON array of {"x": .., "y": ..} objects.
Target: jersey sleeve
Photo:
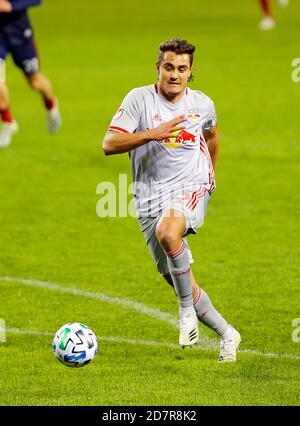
[
  {"x": 126, "y": 119},
  {"x": 211, "y": 120}
]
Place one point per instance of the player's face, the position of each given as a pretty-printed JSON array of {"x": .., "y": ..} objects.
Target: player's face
[{"x": 173, "y": 74}]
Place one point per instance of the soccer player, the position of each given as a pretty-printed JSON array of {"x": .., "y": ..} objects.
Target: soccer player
[
  {"x": 16, "y": 38},
  {"x": 170, "y": 133},
  {"x": 268, "y": 22}
]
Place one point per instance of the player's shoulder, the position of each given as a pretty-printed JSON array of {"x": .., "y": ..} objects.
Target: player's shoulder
[
  {"x": 201, "y": 97},
  {"x": 142, "y": 92}
]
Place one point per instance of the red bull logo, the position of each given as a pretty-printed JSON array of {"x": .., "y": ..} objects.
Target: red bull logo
[
  {"x": 181, "y": 137},
  {"x": 193, "y": 117}
]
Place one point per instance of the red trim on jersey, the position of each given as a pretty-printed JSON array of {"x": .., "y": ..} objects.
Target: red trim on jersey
[
  {"x": 204, "y": 149},
  {"x": 119, "y": 129}
]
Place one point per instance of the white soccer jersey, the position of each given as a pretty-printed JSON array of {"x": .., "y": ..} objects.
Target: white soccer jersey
[{"x": 163, "y": 169}]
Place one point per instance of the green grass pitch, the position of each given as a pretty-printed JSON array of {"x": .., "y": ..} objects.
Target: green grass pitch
[{"x": 246, "y": 255}]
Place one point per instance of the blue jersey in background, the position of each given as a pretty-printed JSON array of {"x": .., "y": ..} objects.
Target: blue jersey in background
[{"x": 16, "y": 36}]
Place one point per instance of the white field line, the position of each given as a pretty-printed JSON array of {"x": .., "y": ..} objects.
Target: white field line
[
  {"x": 154, "y": 343},
  {"x": 205, "y": 342},
  {"x": 125, "y": 303},
  {"x": 130, "y": 304}
]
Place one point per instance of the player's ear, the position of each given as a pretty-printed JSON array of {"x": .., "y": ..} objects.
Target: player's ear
[{"x": 157, "y": 68}]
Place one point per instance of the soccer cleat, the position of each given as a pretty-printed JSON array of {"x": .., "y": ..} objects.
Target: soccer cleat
[
  {"x": 7, "y": 132},
  {"x": 267, "y": 23},
  {"x": 229, "y": 347},
  {"x": 189, "y": 333},
  {"x": 54, "y": 118}
]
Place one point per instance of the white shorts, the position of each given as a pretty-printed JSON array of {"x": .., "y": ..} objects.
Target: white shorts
[{"x": 193, "y": 204}]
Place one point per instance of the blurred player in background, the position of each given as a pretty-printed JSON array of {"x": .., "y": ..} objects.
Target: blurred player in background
[
  {"x": 16, "y": 38},
  {"x": 170, "y": 133},
  {"x": 268, "y": 22}
]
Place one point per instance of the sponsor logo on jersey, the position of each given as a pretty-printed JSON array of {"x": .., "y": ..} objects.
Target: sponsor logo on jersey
[
  {"x": 181, "y": 137},
  {"x": 193, "y": 116},
  {"x": 156, "y": 117}
]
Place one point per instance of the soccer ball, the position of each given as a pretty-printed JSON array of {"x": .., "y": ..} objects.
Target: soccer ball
[{"x": 75, "y": 345}]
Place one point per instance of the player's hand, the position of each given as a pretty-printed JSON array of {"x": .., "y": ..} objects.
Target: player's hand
[
  {"x": 165, "y": 130},
  {"x": 5, "y": 6}
]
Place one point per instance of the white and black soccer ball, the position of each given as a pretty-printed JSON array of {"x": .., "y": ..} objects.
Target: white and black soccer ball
[{"x": 75, "y": 345}]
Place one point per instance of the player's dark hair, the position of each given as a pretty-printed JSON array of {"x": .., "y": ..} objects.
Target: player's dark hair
[{"x": 178, "y": 46}]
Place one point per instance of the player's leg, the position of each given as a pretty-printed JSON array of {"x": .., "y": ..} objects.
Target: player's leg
[
  {"x": 229, "y": 337},
  {"x": 205, "y": 311},
  {"x": 268, "y": 22},
  {"x": 6, "y": 115},
  {"x": 42, "y": 84},
  {"x": 194, "y": 204},
  {"x": 169, "y": 233},
  {"x": 9, "y": 126},
  {"x": 148, "y": 227},
  {"x": 266, "y": 7},
  {"x": 25, "y": 56},
  {"x": 209, "y": 316}
]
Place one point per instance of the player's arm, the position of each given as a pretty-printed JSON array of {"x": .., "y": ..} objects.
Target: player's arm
[
  {"x": 117, "y": 143},
  {"x": 213, "y": 142},
  {"x": 17, "y": 5}
]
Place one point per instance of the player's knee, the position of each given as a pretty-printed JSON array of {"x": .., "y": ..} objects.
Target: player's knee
[{"x": 166, "y": 236}]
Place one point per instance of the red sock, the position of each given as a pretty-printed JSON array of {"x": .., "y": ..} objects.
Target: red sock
[
  {"x": 6, "y": 115},
  {"x": 49, "y": 103},
  {"x": 265, "y": 4}
]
